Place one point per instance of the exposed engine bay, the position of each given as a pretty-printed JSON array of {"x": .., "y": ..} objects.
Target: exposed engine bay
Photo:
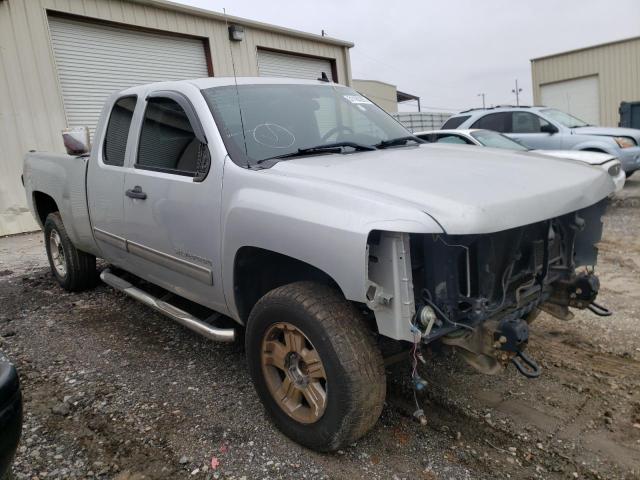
[{"x": 479, "y": 292}]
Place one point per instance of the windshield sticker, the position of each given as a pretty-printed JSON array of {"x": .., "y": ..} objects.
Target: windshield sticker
[{"x": 357, "y": 99}]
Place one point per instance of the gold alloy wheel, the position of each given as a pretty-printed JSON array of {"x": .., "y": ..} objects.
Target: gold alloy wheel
[{"x": 294, "y": 373}]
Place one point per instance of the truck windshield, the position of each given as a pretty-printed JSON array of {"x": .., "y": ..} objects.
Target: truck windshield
[
  {"x": 563, "y": 118},
  {"x": 281, "y": 119}
]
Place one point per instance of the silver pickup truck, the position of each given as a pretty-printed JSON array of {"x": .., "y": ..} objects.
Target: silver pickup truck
[{"x": 301, "y": 215}]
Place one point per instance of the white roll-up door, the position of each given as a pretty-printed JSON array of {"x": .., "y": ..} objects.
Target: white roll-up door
[
  {"x": 95, "y": 60},
  {"x": 579, "y": 97},
  {"x": 275, "y": 64}
]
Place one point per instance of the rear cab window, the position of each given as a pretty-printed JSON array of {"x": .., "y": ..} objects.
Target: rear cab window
[
  {"x": 455, "y": 122},
  {"x": 115, "y": 140}
]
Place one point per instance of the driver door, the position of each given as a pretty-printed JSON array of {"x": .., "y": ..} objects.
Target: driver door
[{"x": 172, "y": 203}]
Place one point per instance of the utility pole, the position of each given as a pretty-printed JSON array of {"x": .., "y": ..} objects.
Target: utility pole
[
  {"x": 517, "y": 92},
  {"x": 482, "y": 95}
]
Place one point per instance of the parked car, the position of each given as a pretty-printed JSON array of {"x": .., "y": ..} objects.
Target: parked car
[
  {"x": 10, "y": 415},
  {"x": 551, "y": 129},
  {"x": 334, "y": 230},
  {"x": 488, "y": 138}
]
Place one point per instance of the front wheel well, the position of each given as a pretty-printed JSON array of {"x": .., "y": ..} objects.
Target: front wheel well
[
  {"x": 44, "y": 205},
  {"x": 258, "y": 271},
  {"x": 598, "y": 150}
]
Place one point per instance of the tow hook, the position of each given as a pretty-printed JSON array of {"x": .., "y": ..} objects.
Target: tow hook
[
  {"x": 599, "y": 310},
  {"x": 583, "y": 293},
  {"x": 526, "y": 365},
  {"x": 512, "y": 336}
]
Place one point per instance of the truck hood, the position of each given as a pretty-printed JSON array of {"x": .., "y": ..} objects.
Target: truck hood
[
  {"x": 609, "y": 131},
  {"x": 466, "y": 190}
]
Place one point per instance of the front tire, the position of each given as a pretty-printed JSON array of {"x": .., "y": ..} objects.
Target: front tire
[
  {"x": 73, "y": 269},
  {"x": 315, "y": 365}
]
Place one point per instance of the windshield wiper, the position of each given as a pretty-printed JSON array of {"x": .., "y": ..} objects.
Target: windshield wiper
[
  {"x": 398, "y": 141},
  {"x": 335, "y": 147}
]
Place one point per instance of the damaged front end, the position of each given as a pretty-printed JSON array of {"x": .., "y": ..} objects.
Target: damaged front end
[{"x": 478, "y": 293}]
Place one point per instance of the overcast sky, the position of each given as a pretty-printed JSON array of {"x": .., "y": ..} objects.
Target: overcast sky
[{"x": 448, "y": 51}]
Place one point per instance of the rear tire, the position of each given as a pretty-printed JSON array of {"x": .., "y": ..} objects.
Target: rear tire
[
  {"x": 73, "y": 269},
  {"x": 337, "y": 396}
]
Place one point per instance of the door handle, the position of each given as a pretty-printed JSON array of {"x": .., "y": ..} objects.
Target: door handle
[{"x": 136, "y": 192}]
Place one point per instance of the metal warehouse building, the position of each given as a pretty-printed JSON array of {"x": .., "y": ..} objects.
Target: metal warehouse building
[
  {"x": 591, "y": 82},
  {"x": 60, "y": 59}
]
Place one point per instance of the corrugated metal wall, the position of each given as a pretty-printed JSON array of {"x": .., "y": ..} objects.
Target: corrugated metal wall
[
  {"x": 31, "y": 108},
  {"x": 617, "y": 66},
  {"x": 273, "y": 64},
  {"x": 113, "y": 62}
]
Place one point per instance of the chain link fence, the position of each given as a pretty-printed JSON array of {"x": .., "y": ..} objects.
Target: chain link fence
[{"x": 418, "y": 121}]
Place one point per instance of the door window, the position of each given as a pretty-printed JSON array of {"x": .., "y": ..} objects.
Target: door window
[
  {"x": 168, "y": 142},
  {"x": 115, "y": 139},
  {"x": 525, "y": 122},
  {"x": 499, "y": 122}
]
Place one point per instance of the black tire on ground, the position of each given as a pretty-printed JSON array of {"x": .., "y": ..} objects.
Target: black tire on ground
[
  {"x": 78, "y": 269},
  {"x": 355, "y": 376},
  {"x": 628, "y": 174}
]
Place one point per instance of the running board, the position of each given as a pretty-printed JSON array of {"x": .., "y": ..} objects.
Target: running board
[{"x": 183, "y": 318}]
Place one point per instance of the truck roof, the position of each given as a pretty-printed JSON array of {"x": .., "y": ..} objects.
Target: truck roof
[{"x": 209, "y": 82}]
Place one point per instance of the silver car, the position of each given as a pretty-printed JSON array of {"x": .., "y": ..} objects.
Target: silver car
[
  {"x": 551, "y": 129},
  {"x": 491, "y": 139}
]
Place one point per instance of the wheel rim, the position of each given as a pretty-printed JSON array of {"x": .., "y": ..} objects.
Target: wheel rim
[
  {"x": 294, "y": 373},
  {"x": 57, "y": 253}
]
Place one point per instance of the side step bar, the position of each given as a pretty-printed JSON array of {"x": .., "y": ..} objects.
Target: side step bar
[{"x": 175, "y": 313}]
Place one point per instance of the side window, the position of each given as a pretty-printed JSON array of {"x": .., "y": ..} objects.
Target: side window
[
  {"x": 168, "y": 142},
  {"x": 498, "y": 122},
  {"x": 115, "y": 139},
  {"x": 525, "y": 122},
  {"x": 454, "y": 122}
]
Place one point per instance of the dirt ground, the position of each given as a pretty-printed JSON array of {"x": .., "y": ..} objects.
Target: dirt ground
[{"x": 113, "y": 390}]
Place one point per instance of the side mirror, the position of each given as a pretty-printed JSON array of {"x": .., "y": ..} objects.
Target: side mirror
[
  {"x": 548, "y": 128},
  {"x": 76, "y": 140}
]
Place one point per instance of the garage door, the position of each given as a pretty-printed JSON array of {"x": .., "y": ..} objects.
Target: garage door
[
  {"x": 579, "y": 97},
  {"x": 273, "y": 64},
  {"x": 94, "y": 60}
]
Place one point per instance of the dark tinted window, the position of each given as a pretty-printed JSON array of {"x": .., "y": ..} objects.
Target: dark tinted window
[
  {"x": 499, "y": 122},
  {"x": 167, "y": 140},
  {"x": 115, "y": 140},
  {"x": 454, "y": 122}
]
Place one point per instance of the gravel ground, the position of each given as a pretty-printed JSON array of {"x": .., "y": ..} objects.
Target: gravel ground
[{"x": 113, "y": 390}]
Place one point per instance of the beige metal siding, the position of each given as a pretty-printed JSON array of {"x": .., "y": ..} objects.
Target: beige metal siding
[
  {"x": 31, "y": 106},
  {"x": 617, "y": 66},
  {"x": 383, "y": 94}
]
